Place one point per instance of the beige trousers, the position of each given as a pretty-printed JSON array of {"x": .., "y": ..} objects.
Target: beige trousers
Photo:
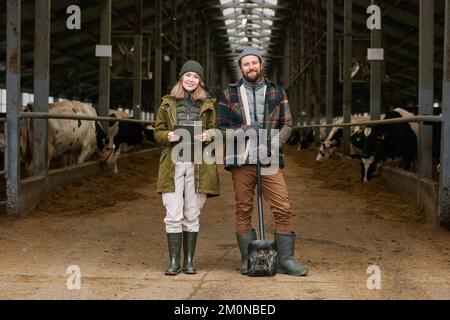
[{"x": 183, "y": 206}]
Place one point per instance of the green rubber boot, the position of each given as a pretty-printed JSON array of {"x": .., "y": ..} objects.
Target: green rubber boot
[
  {"x": 189, "y": 243},
  {"x": 243, "y": 241},
  {"x": 174, "y": 244},
  {"x": 286, "y": 263}
]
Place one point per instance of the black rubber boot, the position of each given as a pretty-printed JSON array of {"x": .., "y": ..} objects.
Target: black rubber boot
[
  {"x": 174, "y": 243},
  {"x": 189, "y": 243},
  {"x": 286, "y": 263},
  {"x": 243, "y": 241}
]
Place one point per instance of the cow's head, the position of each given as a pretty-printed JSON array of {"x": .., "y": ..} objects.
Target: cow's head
[
  {"x": 325, "y": 150},
  {"x": 306, "y": 138},
  {"x": 105, "y": 141},
  {"x": 148, "y": 135},
  {"x": 372, "y": 138},
  {"x": 328, "y": 146}
]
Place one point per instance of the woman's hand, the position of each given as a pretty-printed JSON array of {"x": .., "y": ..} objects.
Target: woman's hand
[
  {"x": 173, "y": 137},
  {"x": 202, "y": 137}
]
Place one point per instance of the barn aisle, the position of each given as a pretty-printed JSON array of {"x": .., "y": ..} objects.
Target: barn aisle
[{"x": 112, "y": 229}]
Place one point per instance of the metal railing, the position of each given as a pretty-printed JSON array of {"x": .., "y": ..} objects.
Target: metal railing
[
  {"x": 46, "y": 115},
  {"x": 437, "y": 119},
  {"x": 13, "y": 185}
]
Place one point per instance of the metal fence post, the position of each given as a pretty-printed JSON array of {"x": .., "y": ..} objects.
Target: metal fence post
[{"x": 13, "y": 103}]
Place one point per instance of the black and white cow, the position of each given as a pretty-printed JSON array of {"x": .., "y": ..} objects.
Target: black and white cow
[
  {"x": 389, "y": 141},
  {"x": 126, "y": 134},
  {"x": 335, "y": 138},
  {"x": 75, "y": 141},
  {"x": 72, "y": 140},
  {"x": 295, "y": 136},
  {"x": 304, "y": 137}
]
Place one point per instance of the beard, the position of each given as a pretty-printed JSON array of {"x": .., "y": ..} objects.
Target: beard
[{"x": 252, "y": 76}]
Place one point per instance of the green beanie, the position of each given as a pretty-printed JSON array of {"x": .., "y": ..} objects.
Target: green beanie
[{"x": 191, "y": 65}]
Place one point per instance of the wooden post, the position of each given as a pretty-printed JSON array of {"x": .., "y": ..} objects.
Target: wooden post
[
  {"x": 158, "y": 55},
  {"x": 347, "y": 100},
  {"x": 444, "y": 186},
  {"x": 41, "y": 84},
  {"x": 105, "y": 62},
  {"x": 137, "y": 61},
  {"x": 426, "y": 85},
  {"x": 13, "y": 105},
  {"x": 330, "y": 62}
]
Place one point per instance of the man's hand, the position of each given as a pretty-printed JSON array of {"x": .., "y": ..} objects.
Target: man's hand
[
  {"x": 202, "y": 137},
  {"x": 255, "y": 126}
]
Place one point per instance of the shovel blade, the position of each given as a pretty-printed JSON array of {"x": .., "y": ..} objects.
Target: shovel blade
[{"x": 262, "y": 258}]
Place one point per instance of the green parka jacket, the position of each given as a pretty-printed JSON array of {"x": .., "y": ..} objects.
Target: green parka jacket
[{"x": 206, "y": 176}]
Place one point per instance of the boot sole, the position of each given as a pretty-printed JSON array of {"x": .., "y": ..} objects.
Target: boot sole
[
  {"x": 292, "y": 274},
  {"x": 190, "y": 272},
  {"x": 171, "y": 273}
]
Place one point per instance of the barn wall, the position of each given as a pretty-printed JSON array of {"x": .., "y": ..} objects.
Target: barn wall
[{"x": 424, "y": 191}]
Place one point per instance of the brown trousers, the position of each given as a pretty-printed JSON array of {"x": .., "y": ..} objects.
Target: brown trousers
[{"x": 274, "y": 191}]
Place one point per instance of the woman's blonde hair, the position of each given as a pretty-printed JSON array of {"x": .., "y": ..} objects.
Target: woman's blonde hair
[{"x": 179, "y": 93}]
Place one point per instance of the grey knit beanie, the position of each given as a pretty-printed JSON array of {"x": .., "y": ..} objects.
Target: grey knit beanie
[{"x": 249, "y": 51}]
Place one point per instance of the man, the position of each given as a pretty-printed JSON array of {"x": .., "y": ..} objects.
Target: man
[{"x": 254, "y": 102}]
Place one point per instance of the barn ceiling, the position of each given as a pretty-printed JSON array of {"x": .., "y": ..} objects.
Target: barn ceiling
[{"x": 233, "y": 23}]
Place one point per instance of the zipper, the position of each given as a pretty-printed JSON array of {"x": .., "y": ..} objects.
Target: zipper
[
  {"x": 198, "y": 184},
  {"x": 254, "y": 102},
  {"x": 199, "y": 189},
  {"x": 256, "y": 119}
]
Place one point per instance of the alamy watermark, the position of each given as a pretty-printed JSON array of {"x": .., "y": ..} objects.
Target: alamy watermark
[
  {"x": 73, "y": 22},
  {"x": 73, "y": 281},
  {"x": 374, "y": 280},
  {"x": 241, "y": 147},
  {"x": 374, "y": 21}
]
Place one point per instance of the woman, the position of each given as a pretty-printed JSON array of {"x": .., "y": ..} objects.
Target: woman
[{"x": 184, "y": 185}]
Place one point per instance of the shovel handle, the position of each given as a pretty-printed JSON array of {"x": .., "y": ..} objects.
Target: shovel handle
[{"x": 259, "y": 191}]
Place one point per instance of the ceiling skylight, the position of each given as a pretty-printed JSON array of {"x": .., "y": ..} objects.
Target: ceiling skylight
[{"x": 248, "y": 23}]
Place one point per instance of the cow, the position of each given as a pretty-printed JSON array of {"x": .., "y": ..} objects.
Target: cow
[
  {"x": 295, "y": 136},
  {"x": 335, "y": 137},
  {"x": 389, "y": 141},
  {"x": 304, "y": 137},
  {"x": 328, "y": 146},
  {"x": 67, "y": 138},
  {"x": 124, "y": 135},
  {"x": 80, "y": 138}
]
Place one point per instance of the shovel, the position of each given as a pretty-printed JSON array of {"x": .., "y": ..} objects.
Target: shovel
[{"x": 262, "y": 254}]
